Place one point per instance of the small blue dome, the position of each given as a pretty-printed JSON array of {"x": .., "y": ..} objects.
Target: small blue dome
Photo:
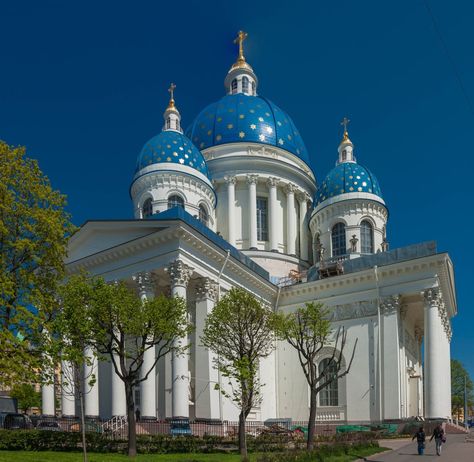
[
  {"x": 347, "y": 177},
  {"x": 171, "y": 147},
  {"x": 241, "y": 118}
]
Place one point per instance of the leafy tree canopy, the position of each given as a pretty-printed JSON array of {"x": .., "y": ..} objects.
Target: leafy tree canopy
[
  {"x": 34, "y": 229},
  {"x": 458, "y": 375},
  {"x": 26, "y": 395}
]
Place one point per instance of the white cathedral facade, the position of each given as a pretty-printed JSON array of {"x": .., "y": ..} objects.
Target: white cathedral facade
[{"x": 233, "y": 201}]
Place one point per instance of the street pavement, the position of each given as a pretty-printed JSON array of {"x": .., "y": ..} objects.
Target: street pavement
[{"x": 458, "y": 448}]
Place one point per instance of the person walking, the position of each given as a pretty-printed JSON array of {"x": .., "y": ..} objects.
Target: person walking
[
  {"x": 420, "y": 439},
  {"x": 438, "y": 435}
]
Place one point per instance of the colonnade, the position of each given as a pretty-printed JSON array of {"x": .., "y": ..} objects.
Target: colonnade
[
  {"x": 208, "y": 399},
  {"x": 275, "y": 228}
]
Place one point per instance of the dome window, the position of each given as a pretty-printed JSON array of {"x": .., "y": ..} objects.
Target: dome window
[
  {"x": 366, "y": 237},
  {"x": 175, "y": 201},
  {"x": 245, "y": 85},
  {"x": 203, "y": 215},
  {"x": 262, "y": 219},
  {"x": 338, "y": 237},
  {"x": 234, "y": 86},
  {"x": 147, "y": 208}
]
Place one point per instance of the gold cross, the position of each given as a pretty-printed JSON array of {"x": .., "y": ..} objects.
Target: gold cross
[
  {"x": 240, "y": 40},
  {"x": 171, "y": 90},
  {"x": 345, "y": 122}
]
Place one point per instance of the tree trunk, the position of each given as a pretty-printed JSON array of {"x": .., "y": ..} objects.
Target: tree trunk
[
  {"x": 132, "y": 431},
  {"x": 312, "y": 420},
  {"x": 242, "y": 437},
  {"x": 83, "y": 423}
]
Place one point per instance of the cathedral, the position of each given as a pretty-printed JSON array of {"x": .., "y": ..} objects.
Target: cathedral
[{"x": 233, "y": 201}]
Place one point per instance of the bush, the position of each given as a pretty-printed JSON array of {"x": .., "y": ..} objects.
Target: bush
[
  {"x": 35, "y": 440},
  {"x": 320, "y": 454}
]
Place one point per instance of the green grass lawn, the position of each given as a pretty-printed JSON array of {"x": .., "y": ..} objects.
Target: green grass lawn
[{"x": 30, "y": 456}]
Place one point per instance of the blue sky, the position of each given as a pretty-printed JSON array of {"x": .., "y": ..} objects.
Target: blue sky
[{"x": 83, "y": 86}]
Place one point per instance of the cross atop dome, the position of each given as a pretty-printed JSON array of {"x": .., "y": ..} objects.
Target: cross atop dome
[
  {"x": 171, "y": 92},
  {"x": 172, "y": 116},
  {"x": 241, "y": 77},
  {"x": 345, "y": 146}
]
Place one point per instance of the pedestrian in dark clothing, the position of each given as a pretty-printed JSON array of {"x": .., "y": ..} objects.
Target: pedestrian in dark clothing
[
  {"x": 420, "y": 439},
  {"x": 137, "y": 415},
  {"x": 438, "y": 435}
]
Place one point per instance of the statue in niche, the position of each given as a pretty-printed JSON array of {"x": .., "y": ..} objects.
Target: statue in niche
[{"x": 353, "y": 243}]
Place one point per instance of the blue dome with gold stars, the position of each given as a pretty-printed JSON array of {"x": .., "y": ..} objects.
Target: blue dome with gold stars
[
  {"x": 243, "y": 118},
  {"x": 347, "y": 177},
  {"x": 171, "y": 146}
]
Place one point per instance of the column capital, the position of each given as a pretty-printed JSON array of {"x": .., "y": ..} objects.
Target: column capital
[
  {"x": 206, "y": 288},
  {"x": 144, "y": 281},
  {"x": 230, "y": 179},
  {"x": 403, "y": 310},
  {"x": 390, "y": 304},
  {"x": 273, "y": 181},
  {"x": 252, "y": 179},
  {"x": 432, "y": 296},
  {"x": 303, "y": 196},
  {"x": 291, "y": 188},
  {"x": 179, "y": 273}
]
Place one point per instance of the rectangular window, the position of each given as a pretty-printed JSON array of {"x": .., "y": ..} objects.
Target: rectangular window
[
  {"x": 262, "y": 219},
  {"x": 137, "y": 397}
]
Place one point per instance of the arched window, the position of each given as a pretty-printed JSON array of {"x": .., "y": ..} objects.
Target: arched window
[
  {"x": 338, "y": 235},
  {"x": 234, "y": 86},
  {"x": 254, "y": 88},
  {"x": 175, "y": 201},
  {"x": 147, "y": 208},
  {"x": 329, "y": 395},
  {"x": 366, "y": 237},
  {"x": 203, "y": 215},
  {"x": 245, "y": 84}
]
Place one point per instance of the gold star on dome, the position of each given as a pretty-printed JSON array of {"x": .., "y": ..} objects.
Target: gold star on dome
[
  {"x": 230, "y": 126},
  {"x": 241, "y": 134},
  {"x": 261, "y": 137},
  {"x": 253, "y": 126},
  {"x": 269, "y": 130},
  {"x": 281, "y": 142}
]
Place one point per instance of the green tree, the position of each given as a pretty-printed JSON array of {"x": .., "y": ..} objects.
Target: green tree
[
  {"x": 71, "y": 334},
  {"x": 308, "y": 331},
  {"x": 34, "y": 229},
  {"x": 26, "y": 395},
  {"x": 124, "y": 327},
  {"x": 239, "y": 331},
  {"x": 458, "y": 375}
]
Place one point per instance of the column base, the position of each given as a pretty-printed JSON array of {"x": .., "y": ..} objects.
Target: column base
[
  {"x": 92, "y": 417},
  {"x": 275, "y": 250},
  {"x": 148, "y": 418},
  {"x": 48, "y": 416},
  {"x": 253, "y": 248},
  {"x": 69, "y": 416}
]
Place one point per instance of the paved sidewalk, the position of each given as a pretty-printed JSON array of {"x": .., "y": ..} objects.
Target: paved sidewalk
[{"x": 458, "y": 448}]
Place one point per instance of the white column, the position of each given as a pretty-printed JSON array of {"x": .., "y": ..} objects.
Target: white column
[
  {"x": 434, "y": 373},
  {"x": 119, "y": 405},
  {"x": 91, "y": 393},
  {"x": 47, "y": 400},
  {"x": 252, "y": 182},
  {"x": 231, "y": 180},
  {"x": 179, "y": 275},
  {"x": 68, "y": 402},
  {"x": 304, "y": 230},
  {"x": 290, "y": 219},
  {"x": 272, "y": 208},
  {"x": 207, "y": 398},
  {"x": 147, "y": 387},
  {"x": 445, "y": 337}
]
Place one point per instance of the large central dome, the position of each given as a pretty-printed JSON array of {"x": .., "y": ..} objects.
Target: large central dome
[{"x": 246, "y": 118}]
